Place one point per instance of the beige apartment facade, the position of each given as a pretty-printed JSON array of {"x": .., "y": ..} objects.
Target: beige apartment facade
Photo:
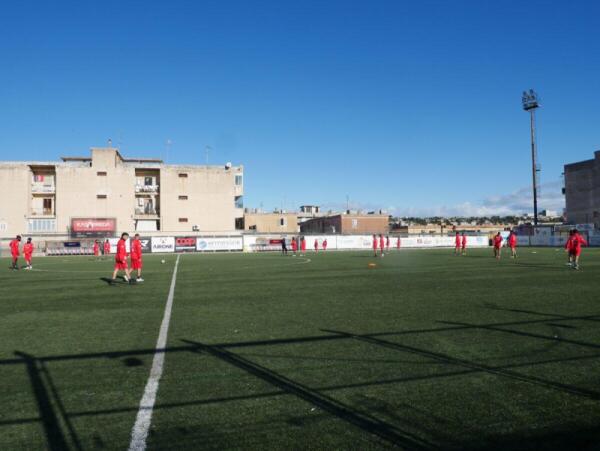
[{"x": 108, "y": 194}]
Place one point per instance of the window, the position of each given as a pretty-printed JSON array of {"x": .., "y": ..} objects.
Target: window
[
  {"x": 183, "y": 219},
  {"x": 41, "y": 225},
  {"x": 101, "y": 173},
  {"x": 183, "y": 198},
  {"x": 182, "y": 175},
  {"x": 148, "y": 181},
  {"x": 355, "y": 223},
  {"x": 47, "y": 204},
  {"x": 239, "y": 179},
  {"x": 101, "y": 196},
  {"x": 239, "y": 201},
  {"x": 282, "y": 222}
]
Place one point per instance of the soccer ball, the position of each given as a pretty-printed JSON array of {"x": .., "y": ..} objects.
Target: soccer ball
[{"x": 162, "y": 261}]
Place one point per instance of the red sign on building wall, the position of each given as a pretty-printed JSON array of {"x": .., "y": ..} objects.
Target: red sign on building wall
[{"x": 93, "y": 227}]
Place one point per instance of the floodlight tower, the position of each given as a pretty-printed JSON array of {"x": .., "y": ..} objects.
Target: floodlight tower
[{"x": 531, "y": 103}]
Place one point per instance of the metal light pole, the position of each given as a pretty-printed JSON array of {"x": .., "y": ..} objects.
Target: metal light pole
[{"x": 531, "y": 103}]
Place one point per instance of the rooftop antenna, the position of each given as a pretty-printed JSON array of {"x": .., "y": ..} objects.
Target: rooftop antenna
[
  {"x": 207, "y": 150},
  {"x": 109, "y": 142},
  {"x": 531, "y": 102}
]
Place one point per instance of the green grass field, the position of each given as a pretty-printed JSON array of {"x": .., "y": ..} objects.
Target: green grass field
[{"x": 424, "y": 351}]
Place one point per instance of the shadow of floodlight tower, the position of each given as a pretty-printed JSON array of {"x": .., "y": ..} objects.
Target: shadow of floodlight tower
[{"x": 531, "y": 102}]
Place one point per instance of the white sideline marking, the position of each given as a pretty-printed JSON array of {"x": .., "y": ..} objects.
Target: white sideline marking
[{"x": 139, "y": 433}]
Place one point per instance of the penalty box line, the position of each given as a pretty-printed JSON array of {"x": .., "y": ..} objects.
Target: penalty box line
[{"x": 140, "y": 430}]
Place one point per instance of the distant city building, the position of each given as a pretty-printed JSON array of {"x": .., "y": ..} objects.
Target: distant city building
[
  {"x": 106, "y": 194},
  {"x": 271, "y": 222},
  {"x": 582, "y": 191},
  {"x": 347, "y": 224}
]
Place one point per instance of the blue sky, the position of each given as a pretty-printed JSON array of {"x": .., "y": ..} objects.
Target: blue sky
[{"x": 409, "y": 106}]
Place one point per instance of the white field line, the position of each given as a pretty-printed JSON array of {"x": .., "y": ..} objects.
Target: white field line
[{"x": 139, "y": 433}]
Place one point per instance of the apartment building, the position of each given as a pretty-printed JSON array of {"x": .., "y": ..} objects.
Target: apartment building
[
  {"x": 582, "y": 191},
  {"x": 105, "y": 193}
]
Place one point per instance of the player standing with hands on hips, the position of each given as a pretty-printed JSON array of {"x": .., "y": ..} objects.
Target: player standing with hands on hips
[
  {"x": 136, "y": 257},
  {"x": 121, "y": 259},
  {"x": 27, "y": 253},
  {"x": 14, "y": 252}
]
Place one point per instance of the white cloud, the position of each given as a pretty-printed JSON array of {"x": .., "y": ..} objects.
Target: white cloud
[{"x": 550, "y": 197}]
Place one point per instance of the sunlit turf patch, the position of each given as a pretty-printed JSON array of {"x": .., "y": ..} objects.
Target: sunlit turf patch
[{"x": 429, "y": 350}]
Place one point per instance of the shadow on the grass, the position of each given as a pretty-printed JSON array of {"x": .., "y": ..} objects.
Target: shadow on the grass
[{"x": 400, "y": 428}]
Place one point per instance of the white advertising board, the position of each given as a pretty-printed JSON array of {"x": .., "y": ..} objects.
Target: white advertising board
[
  {"x": 163, "y": 244},
  {"x": 220, "y": 244}
]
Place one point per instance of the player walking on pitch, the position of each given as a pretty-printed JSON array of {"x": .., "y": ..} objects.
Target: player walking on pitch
[
  {"x": 302, "y": 247},
  {"x": 136, "y": 257},
  {"x": 96, "y": 249},
  {"x": 121, "y": 259},
  {"x": 324, "y": 244},
  {"x": 28, "y": 252},
  {"x": 457, "y": 244},
  {"x": 14, "y": 252},
  {"x": 398, "y": 243},
  {"x": 106, "y": 247},
  {"x": 498, "y": 246},
  {"x": 294, "y": 246},
  {"x": 316, "y": 245},
  {"x": 375, "y": 245},
  {"x": 512, "y": 243},
  {"x": 381, "y": 243},
  {"x": 463, "y": 244},
  {"x": 576, "y": 242}
]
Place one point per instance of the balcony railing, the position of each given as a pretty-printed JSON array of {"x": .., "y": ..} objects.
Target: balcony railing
[
  {"x": 147, "y": 211},
  {"x": 42, "y": 188},
  {"x": 42, "y": 212},
  {"x": 146, "y": 188}
]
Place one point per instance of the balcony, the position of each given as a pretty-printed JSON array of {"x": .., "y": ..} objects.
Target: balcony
[
  {"x": 42, "y": 212},
  {"x": 42, "y": 188},
  {"x": 147, "y": 213},
  {"x": 146, "y": 189}
]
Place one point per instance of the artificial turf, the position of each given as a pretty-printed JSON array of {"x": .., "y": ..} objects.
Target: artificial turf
[{"x": 424, "y": 351}]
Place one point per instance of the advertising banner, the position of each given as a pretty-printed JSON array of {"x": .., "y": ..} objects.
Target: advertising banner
[
  {"x": 163, "y": 244},
  {"x": 146, "y": 245},
  {"x": 185, "y": 244},
  {"x": 93, "y": 227},
  {"x": 220, "y": 244}
]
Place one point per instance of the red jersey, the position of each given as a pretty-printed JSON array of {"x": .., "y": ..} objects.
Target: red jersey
[
  {"x": 14, "y": 248},
  {"x": 464, "y": 241},
  {"x": 107, "y": 247},
  {"x": 324, "y": 244},
  {"x": 136, "y": 250},
  {"x": 374, "y": 242},
  {"x": 294, "y": 245},
  {"x": 121, "y": 254},
  {"x": 398, "y": 243},
  {"x": 381, "y": 243},
  {"x": 512, "y": 240},
  {"x": 316, "y": 245},
  {"x": 303, "y": 245},
  {"x": 577, "y": 241},
  {"x": 96, "y": 248},
  {"x": 498, "y": 241},
  {"x": 457, "y": 240},
  {"x": 28, "y": 250},
  {"x": 569, "y": 243}
]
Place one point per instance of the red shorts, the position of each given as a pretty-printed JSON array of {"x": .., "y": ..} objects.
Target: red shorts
[
  {"x": 497, "y": 247},
  {"x": 575, "y": 252},
  {"x": 136, "y": 263},
  {"x": 27, "y": 257},
  {"x": 121, "y": 264},
  {"x": 513, "y": 246}
]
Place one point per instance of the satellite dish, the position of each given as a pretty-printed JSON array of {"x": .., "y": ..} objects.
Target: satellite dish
[{"x": 228, "y": 165}]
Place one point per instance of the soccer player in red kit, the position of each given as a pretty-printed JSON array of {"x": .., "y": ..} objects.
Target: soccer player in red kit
[
  {"x": 387, "y": 243},
  {"x": 14, "y": 251},
  {"x": 398, "y": 244},
  {"x": 512, "y": 243},
  {"x": 325, "y": 244},
  {"x": 497, "y": 246},
  {"x": 375, "y": 245},
  {"x": 457, "y": 244},
  {"x": 96, "y": 248},
  {"x": 302, "y": 246},
  {"x": 463, "y": 243},
  {"x": 106, "y": 247},
  {"x": 568, "y": 245},
  {"x": 136, "y": 257},
  {"x": 381, "y": 244},
  {"x": 294, "y": 245},
  {"x": 28, "y": 252},
  {"x": 576, "y": 242},
  {"x": 121, "y": 258},
  {"x": 316, "y": 245}
]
